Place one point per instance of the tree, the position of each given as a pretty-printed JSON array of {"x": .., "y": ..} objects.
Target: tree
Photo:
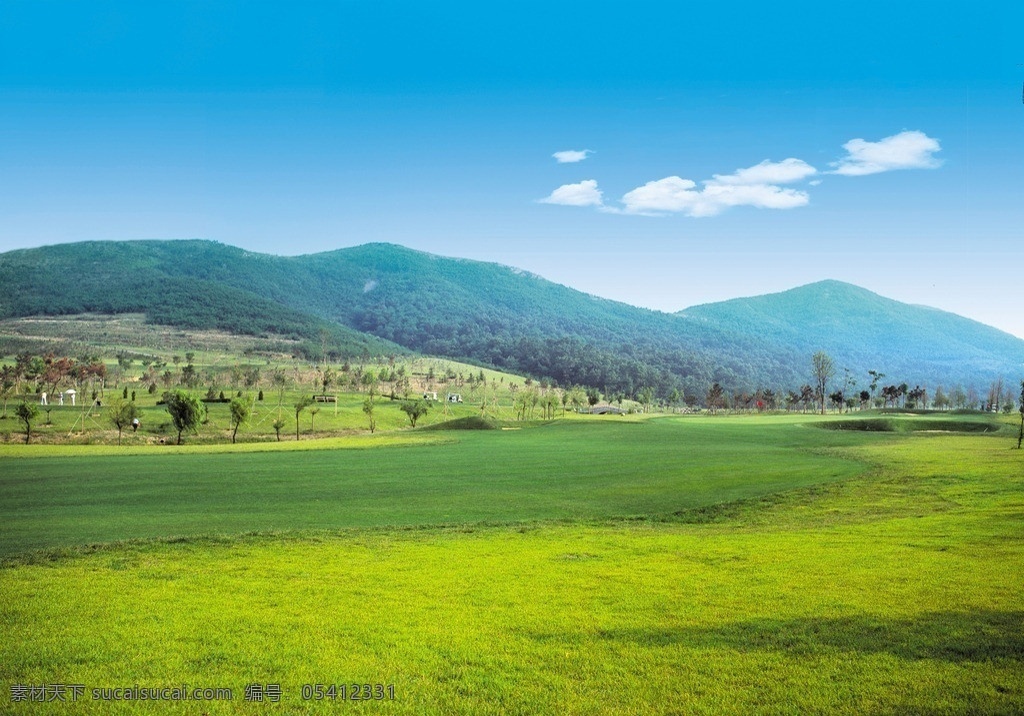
[
  {"x": 918, "y": 397},
  {"x": 121, "y": 414},
  {"x": 849, "y": 382},
  {"x": 824, "y": 368},
  {"x": 806, "y": 396},
  {"x": 415, "y": 409},
  {"x": 646, "y": 396},
  {"x": 304, "y": 402},
  {"x": 8, "y": 379},
  {"x": 837, "y": 400},
  {"x": 577, "y": 396},
  {"x": 327, "y": 379},
  {"x": 279, "y": 380},
  {"x": 1020, "y": 435},
  {"x": 995, "y": 394},
  {"x": 550, "y": 404},
  {"x": 369, "y": 380},
  {"x": 187, "y": 411},
  {"x": 27, "y": 412},
  {"x": 1008, "y": 400},
  {"x": 890, "y": 393},
  {"x": 875, "y": 378},
  {"x": 791, "y": 399},
  {"x": 520, "y": 404},
  {"x": 673, "y": 398},
  {"x": 278, "y": 424},
  {"x": 368, "y": 409},
  {"x": 239, "y": 414},
  {"x": 56, "y": 370},
  {"x": 715, "y": 396}
]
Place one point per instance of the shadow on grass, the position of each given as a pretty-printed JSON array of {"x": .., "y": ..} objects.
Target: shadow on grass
[{"x": 947, "y": 636}]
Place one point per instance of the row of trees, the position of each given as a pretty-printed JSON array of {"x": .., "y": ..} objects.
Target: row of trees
[
  {"x": 823, "y": 370},
  {"x": 530, "y": 400}
]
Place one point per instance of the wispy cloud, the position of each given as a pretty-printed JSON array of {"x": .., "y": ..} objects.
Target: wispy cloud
[
  {"x": 585, "y": 193},
  {"x": 906, "y": 150},
  {"x": 785, "y": 172},
  {"x": 571, "y": 156}
]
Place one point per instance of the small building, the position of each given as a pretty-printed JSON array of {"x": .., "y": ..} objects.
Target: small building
[
  {"x": 455, "y": 397},
  {"x": 430, "y": 395}
]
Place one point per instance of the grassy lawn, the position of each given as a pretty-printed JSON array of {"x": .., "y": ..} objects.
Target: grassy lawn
[
  {"x": 779, "y": 568},
  {"x": 567, "y": 471}
]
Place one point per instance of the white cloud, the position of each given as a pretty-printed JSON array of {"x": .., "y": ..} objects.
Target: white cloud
[
  {"x": 906, "y": 150},
  {"x": 785, "y": 172},
  {"x": 760, "y": 186},
  {"x": 674, "y": 194},
  {"x": 585, "y": 193},
  {"x": 668, "y": 194},
  {"x": 571, "y": 156},
  {"x": 717, "y": 197}
]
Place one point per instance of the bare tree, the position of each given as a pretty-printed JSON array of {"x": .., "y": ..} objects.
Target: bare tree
[
  {"x": 824, "y": 368},
  {"x": 995, "y": 395}
]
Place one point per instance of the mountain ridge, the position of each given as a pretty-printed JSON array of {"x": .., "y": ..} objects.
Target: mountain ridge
[{"x": 382, "y": 294}]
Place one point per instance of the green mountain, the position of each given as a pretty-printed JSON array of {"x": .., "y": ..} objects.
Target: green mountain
[
  {"x": 175, "y": 283},
  {"x": 379, "y": 296},
  {"x": 864, "y": 331}
]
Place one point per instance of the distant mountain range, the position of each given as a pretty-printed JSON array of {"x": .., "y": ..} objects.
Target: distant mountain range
[{"x": 382, "y": 298}]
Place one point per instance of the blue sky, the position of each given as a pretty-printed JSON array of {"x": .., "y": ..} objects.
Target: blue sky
[{"x": 722, "y": 151}]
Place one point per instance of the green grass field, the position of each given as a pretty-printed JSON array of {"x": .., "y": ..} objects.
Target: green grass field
[
  {"x": 674, "y": 565},
  {"x": 574, "y": 470}
]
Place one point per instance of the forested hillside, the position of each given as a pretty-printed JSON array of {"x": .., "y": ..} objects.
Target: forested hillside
[
  {"x": 500, "y": 316},
  {"x": 171, "y": 283},
  {"x": 864, "y": 331}
]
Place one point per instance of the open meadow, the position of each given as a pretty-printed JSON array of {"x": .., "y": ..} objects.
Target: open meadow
[
  {"x": 511, "y": 359},
  {"x": 712, "y": 564}
]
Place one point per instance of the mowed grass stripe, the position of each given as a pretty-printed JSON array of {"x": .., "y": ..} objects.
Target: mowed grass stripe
[
  {"x": 570, "y": 470},
  {"x": 661, "y": 618}
]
